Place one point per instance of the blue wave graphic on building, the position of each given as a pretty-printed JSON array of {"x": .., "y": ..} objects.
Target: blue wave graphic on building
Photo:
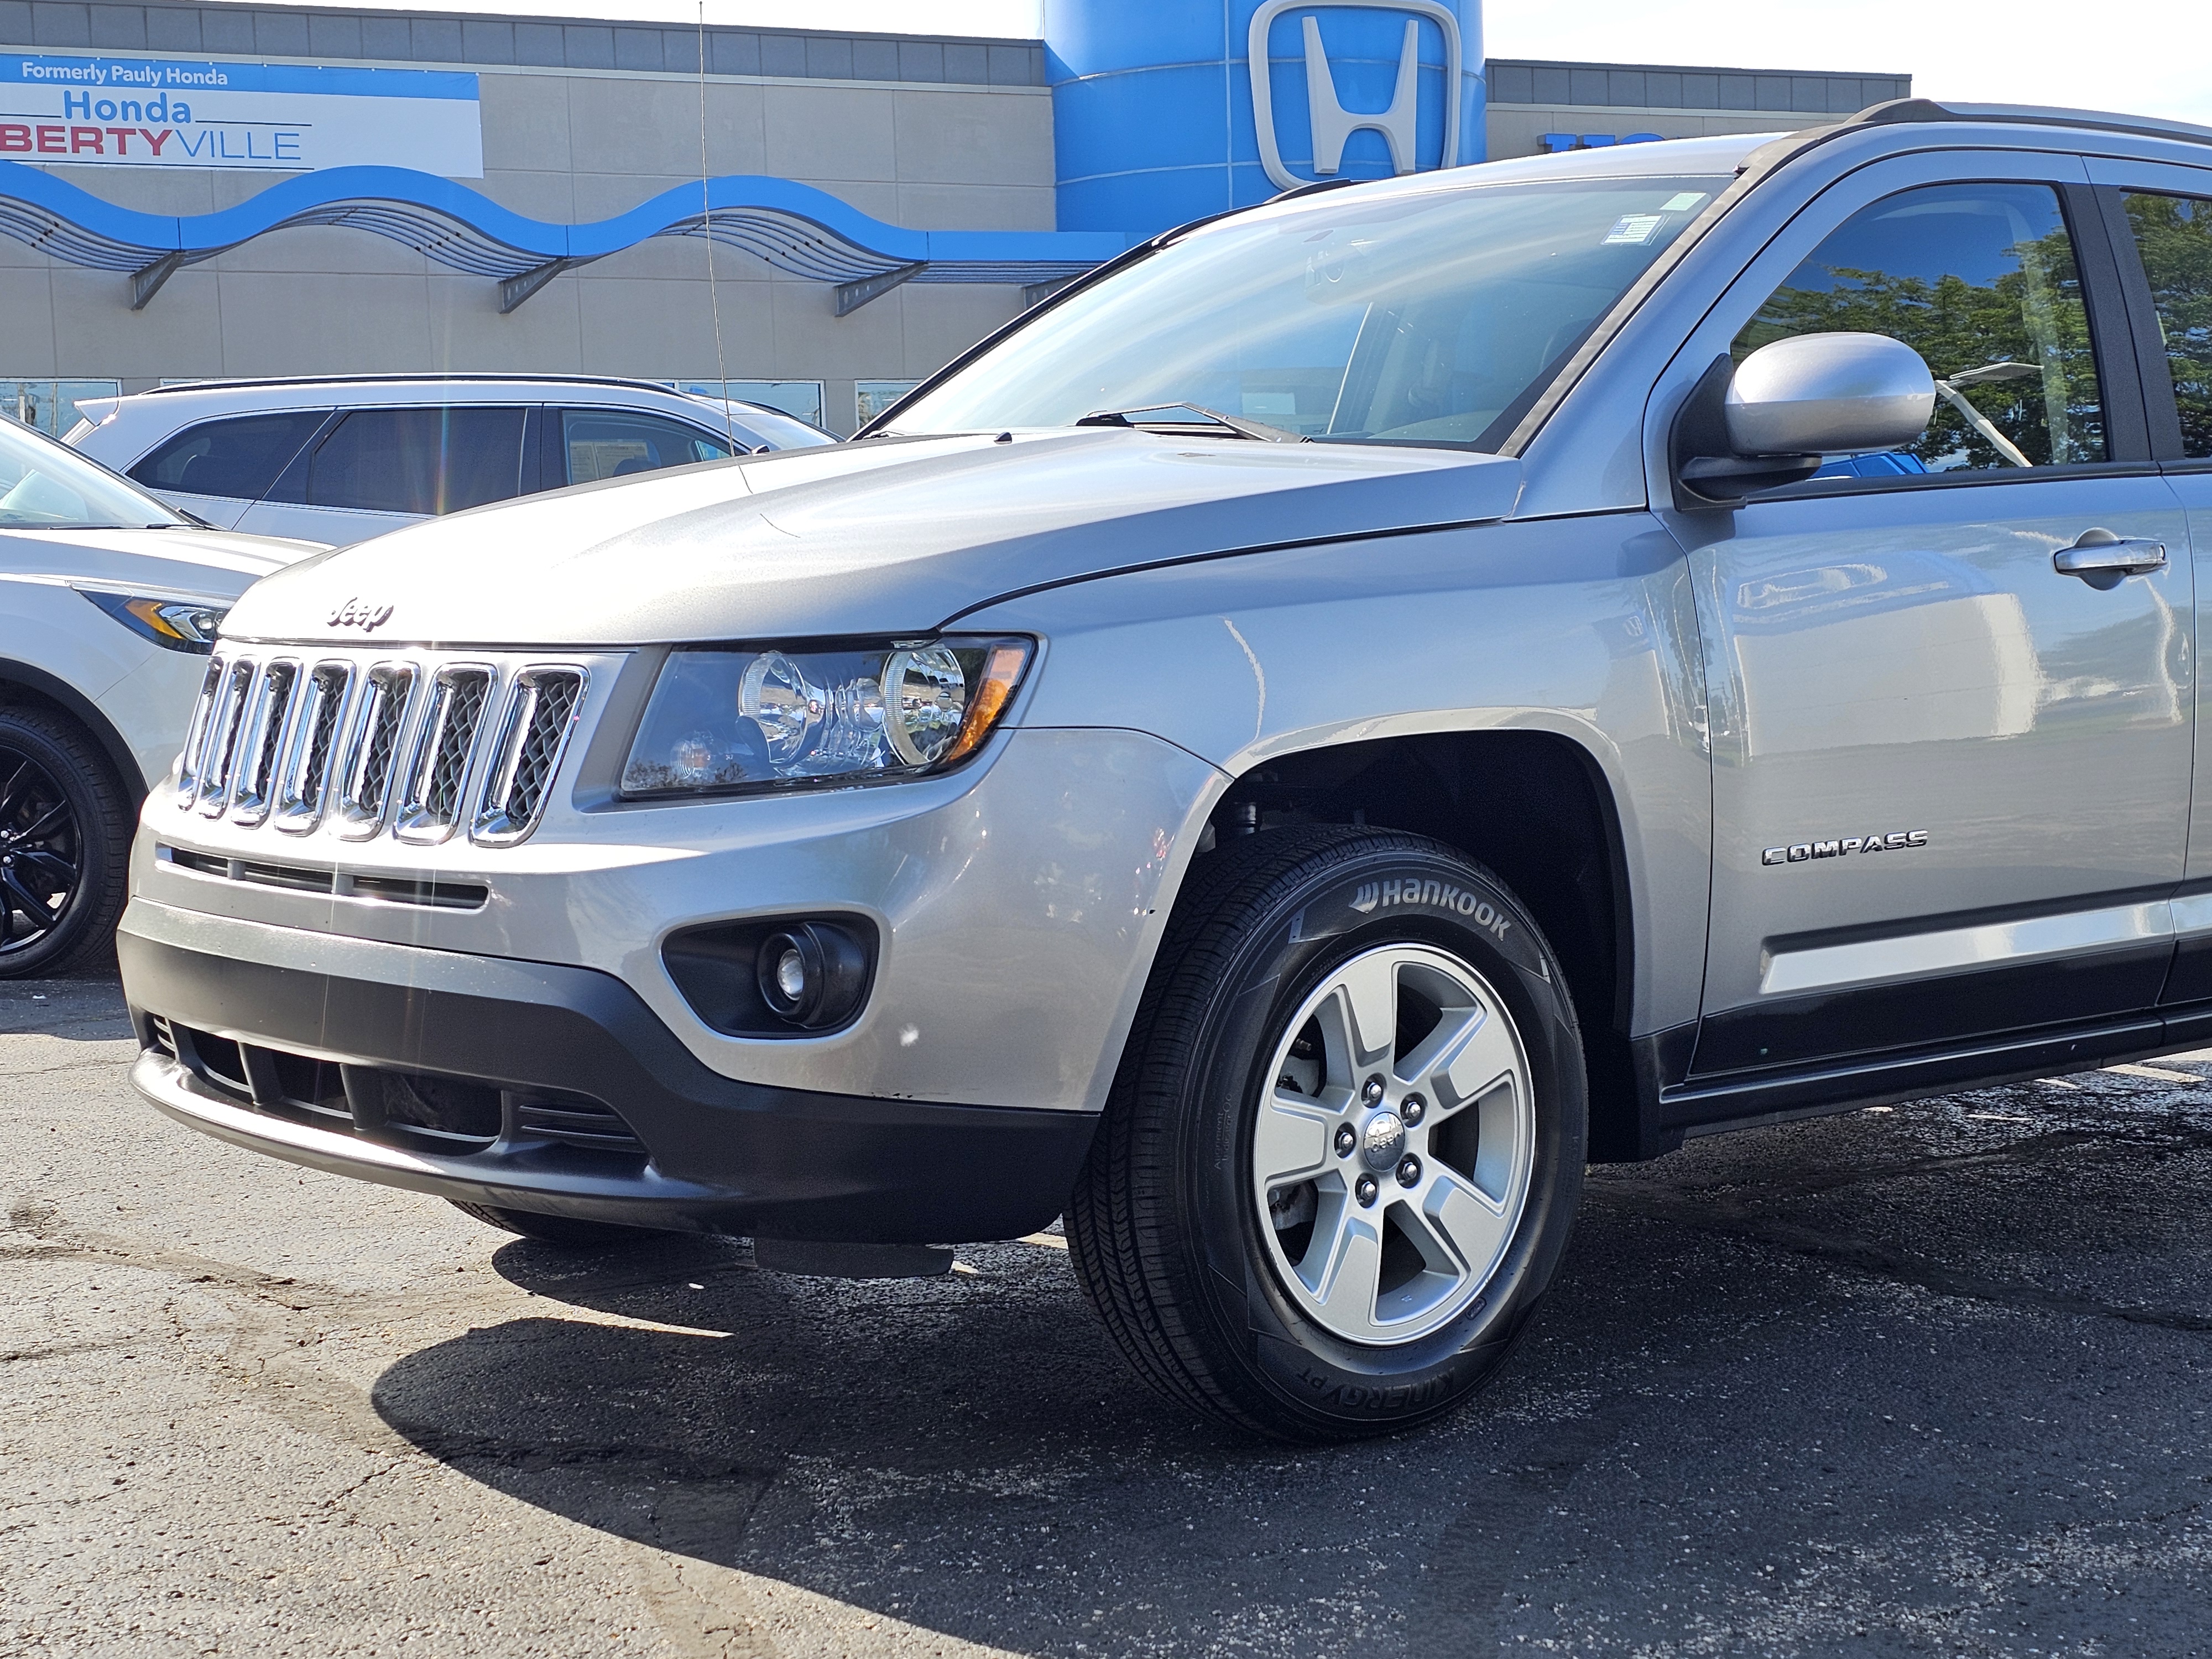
[{"x": 792, "y": 226}]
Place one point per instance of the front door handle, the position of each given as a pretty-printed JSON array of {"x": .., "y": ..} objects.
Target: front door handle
[{"x": 2100, "y": 553}]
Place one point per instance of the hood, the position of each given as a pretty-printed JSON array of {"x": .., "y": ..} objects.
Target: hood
[
  {"x": 213, "y": 564},
  {"x": 887, "y": 536}
]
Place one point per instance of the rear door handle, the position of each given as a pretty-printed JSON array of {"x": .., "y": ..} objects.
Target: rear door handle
[{"x": 2100, "y": 553}]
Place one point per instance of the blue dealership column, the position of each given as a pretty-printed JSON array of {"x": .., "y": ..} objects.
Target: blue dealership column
[{"x": 1155, "y": 120}]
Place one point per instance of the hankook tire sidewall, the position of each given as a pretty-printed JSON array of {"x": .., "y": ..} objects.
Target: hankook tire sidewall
[{"x": 1301, "y": 944}]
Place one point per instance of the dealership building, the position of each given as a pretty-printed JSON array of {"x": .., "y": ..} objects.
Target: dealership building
[{"x": 813, "y": 219}]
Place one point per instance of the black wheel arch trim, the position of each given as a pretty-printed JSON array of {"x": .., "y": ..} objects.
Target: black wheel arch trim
[
  {"x": 1622, "y": 1121},
  {"x": 81, "y": 709}
]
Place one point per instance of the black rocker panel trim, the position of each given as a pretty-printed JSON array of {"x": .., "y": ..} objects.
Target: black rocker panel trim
[
  {"x": 2190, "y": 979},
  {"x": 1971, "y": 1008},
  {"x": 1703, "y": 1106}
]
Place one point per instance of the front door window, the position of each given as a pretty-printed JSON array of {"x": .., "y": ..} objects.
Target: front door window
[
  {"x": 598, "y": 444},
  {"x": 1981, "y": 281}
]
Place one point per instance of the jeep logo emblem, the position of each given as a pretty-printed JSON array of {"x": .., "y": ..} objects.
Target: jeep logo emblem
[{"x": 354, "y": 614}]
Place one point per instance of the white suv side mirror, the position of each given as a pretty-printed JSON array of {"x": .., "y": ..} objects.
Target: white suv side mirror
[{"x": 1772, "y": 420}]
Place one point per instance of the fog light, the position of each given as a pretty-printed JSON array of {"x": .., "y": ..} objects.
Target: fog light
[
  {"x": 813, "y": 975},
  {"x": 790, "y": 976}
]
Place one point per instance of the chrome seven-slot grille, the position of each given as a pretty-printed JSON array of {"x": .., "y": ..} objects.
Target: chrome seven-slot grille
[{"x": 419, "y": 748}]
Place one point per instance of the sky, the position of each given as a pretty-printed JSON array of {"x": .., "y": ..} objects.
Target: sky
[{"x": 2144, "y": 57}]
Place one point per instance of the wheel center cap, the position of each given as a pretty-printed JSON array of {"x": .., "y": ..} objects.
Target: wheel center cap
[{"x": 1382, "y": 1141}]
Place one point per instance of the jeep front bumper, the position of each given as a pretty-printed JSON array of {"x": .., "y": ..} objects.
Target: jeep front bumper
[{"x": 551, "y": 1088}]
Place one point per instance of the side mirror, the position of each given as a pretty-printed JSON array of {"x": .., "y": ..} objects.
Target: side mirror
[{"x": 1792, "y": 404}]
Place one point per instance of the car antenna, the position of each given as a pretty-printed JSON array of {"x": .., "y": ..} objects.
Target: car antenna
[{"x": 707, "y": 228}]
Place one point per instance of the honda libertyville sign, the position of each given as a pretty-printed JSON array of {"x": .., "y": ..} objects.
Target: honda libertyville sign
[{"x": 96, "y": 111}]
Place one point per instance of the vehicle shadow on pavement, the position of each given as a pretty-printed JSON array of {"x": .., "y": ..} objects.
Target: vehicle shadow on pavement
[
  {"x": 1859, "y": 1386},
  {"x": 85, "y": 1008},
  {"x": 903, "y": 1445}
]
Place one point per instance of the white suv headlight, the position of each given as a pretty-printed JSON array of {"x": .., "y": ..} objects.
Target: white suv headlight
[
  {"x": 174, "y": 624},
  {"x": 731, "y": 718}
]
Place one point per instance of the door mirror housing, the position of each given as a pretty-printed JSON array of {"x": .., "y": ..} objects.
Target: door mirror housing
[{"x": 1790, "y": 405}]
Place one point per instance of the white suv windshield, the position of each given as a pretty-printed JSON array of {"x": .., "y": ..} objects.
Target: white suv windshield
[
  {"x": 44, "y": 485},
  {"x": 1434, "y": 317}
]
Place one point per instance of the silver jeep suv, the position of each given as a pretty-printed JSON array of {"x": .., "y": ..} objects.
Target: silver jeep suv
[{"x": 1281, "y": 755}]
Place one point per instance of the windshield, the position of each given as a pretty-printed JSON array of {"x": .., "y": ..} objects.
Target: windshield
[
  {"x": 44, "y": 485},
  {"x": 1434, "y": 317}
]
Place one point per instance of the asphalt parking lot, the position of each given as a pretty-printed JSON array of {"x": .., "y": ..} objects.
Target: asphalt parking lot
[{"x": 1924, "y": 1381}]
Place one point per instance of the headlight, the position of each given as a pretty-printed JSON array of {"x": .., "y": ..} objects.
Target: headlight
[
  {"x": 738, "y": 718},
  {"x": 177, "y": 625}
]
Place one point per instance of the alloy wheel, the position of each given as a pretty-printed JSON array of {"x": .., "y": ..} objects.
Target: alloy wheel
[
  {"x": 39, "y": 852},
  {"x": 1392, "y": 1144}
]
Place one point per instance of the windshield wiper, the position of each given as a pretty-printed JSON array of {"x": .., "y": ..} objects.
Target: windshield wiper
[{"x": 1162, "y": 418}]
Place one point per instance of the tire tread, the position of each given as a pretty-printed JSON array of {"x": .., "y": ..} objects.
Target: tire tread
[{"x": 1122, "y": 1247}]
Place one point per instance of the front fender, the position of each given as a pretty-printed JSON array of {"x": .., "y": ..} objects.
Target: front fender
[{"x": 1583, "y": 627}]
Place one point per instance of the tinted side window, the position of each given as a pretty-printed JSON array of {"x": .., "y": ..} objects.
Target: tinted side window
[
  {"x": 418, "y": 461},
  {"x": 239, "y": 457},
  {"x": 1981, "y": 281},
  {"x": 2174, "y": 235},
  {"x": 484, "y": 458},
  {"x": 607, "y": 444}
]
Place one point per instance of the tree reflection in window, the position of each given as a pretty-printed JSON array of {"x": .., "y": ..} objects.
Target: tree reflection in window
[
  {"x": 2174, "y": 235},
  {"x": 1981, "y": 281}
]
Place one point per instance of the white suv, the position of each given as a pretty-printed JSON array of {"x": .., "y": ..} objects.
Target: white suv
[
  {"x": 109, "y": 602},
  {"x": 341, "y": 459}
]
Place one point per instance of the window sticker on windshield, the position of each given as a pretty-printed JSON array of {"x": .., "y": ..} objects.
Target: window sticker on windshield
[
  {"x": 1683, "y": 203},
  {"x": 1633, "y": 227}
]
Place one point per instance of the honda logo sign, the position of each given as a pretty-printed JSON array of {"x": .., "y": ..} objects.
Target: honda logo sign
[{"x": 1332, "y": 124}]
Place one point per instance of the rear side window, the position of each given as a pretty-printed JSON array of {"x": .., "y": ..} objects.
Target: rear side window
[
  {"x": 239, "y": 457},
  {"x": 421, "y": 461},
  {"x": 2174, "y": 235},
  {"x": 1981, "y": 281},
  {"x": 600, "y": 444}
]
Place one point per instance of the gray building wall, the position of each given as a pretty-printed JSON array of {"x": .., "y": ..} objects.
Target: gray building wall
[
  {"x": 1530, "y": 98},
  {"x": 585, "y": 120},
  {"x": 927, "y": 134}
]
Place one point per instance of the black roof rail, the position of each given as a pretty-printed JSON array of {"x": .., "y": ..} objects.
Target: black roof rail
[
  {"x": 1899, "y": 111},
  {"x": 1310, "y": 188},
  {"x": 458, "y": 379},
  {"x": 1912, "y": 111}
]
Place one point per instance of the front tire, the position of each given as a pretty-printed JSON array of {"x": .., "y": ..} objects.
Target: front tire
[
  {"x": 1341, "y": 1159},
  {"x": 64, "y": 846}
]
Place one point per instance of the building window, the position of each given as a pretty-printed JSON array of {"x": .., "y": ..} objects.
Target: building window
[
  {"x": 51, "y": 405},
  {"x": 799, "y": 397},
  {"x": 874, "y": 397}
]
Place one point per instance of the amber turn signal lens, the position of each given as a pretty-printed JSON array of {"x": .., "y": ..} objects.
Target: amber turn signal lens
[{"x": 1002, "y": 672}]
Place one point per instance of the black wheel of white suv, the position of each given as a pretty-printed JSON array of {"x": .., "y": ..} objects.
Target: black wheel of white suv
[
  {"x": 1342, "y": 1155},
  {"x": 64, "y": 846}
]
